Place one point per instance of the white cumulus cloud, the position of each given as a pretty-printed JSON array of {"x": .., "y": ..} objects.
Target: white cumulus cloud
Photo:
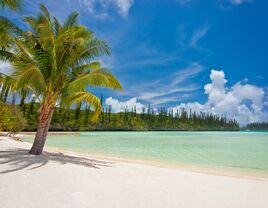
[
  {"x": 243, "y": 102},
  {"x": 120, "y": 106}
]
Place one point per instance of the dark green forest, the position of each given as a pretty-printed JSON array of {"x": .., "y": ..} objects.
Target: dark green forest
[
  {"x": 257, "y": 126},
  {"x": 25, "y": 116},
  {"x": 80, "y": 120}
]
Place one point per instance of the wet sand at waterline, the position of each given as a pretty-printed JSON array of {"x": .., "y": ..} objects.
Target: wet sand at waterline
[{"x": 67, "y": 180}]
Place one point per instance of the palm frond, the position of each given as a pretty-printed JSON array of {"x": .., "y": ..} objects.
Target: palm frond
[
  {"x": 57, "y": 26},
  {"x": 45, "y": 12},
  {"x": 28, "y": 74},
  {"x": 72, "y": 20},
  {"x": 9, "y": 27},
  {"x": 6, "y": 55},
  {"x": 11, "y": 4},
  {"x": 91, "y": 99},
  {"x": 95, "y": 48},
  {"x": 98, "y": 78},
  {"x": 92, "y": 66}
]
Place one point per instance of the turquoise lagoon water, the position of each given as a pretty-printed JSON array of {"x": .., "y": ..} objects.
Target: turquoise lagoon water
[{"x": 235, "y": 150}]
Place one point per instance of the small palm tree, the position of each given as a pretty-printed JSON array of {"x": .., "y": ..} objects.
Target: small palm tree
[
  {"x": 57, "y": 63},
  {"x": 11, "y": 4}
]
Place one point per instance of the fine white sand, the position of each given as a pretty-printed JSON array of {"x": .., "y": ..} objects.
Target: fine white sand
[{"x": 61, "y": 180}]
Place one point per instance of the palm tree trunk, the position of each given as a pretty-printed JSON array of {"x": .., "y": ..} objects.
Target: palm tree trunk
[{"x": 42, "y": 130}]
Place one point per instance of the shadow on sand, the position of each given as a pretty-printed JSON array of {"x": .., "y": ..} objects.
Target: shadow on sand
[{"x": 18, "y": 159}]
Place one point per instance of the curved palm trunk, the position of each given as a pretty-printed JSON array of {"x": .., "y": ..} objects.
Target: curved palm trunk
[{"x": 42, "y": 130}]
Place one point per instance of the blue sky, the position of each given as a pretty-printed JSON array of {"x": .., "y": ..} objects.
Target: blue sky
[{"x": 163, "y": 51}]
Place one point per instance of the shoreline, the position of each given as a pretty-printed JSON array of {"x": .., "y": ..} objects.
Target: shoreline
[
  {"x": 82, "y": 180},
  {"x": 197, "y": 168},
  {"x": 216, "y": 171}
]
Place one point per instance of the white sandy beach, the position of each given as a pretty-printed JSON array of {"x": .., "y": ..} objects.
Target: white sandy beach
[{"x": 61, "y": 180}]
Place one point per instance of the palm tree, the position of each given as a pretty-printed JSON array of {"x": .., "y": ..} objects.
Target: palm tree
[
  {"x": 11, "y": 4},
  {"x": 57, "y": 62}
]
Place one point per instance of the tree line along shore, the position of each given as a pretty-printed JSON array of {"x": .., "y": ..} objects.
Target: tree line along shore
[{"x": 25, "y": 117}]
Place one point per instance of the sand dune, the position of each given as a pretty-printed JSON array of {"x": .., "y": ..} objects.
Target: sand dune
[{"x": 64, "y": 180}]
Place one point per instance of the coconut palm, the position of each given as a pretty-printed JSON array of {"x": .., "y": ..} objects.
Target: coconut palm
[
  {"x": 57, "y": 63},
  {"x": 11, "y": 4}
]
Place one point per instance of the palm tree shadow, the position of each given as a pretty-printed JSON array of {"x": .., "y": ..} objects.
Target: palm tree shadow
[{"x": 19, "y": 159}]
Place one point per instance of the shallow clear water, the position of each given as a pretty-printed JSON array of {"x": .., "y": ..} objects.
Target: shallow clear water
[{"x": 236, "y": 150}]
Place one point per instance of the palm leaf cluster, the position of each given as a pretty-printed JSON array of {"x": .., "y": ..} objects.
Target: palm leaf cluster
[{"x": 11, "y": 4}]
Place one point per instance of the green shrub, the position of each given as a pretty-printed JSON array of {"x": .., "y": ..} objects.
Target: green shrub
[
  {"x": 11, "y": 119},
  {"x": 20, "y": 123},
  {"x": 7, "y": 119}
]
